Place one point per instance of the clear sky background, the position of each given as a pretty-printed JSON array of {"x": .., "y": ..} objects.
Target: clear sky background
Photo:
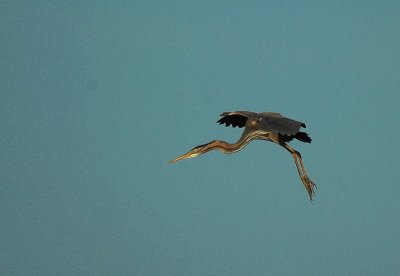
[{"x": 97, "y": 97}]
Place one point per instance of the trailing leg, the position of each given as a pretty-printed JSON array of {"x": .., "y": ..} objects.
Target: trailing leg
[{"x": 308, "y": 183}]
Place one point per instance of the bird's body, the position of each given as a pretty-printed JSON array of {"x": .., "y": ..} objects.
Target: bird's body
[{"x": 269, "y": 126}]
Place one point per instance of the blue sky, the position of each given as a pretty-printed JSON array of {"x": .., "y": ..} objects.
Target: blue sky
[{"x": 97, "y": 97}]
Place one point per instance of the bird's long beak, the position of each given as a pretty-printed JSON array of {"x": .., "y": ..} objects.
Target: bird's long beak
[{"x": 184, "y": 156}]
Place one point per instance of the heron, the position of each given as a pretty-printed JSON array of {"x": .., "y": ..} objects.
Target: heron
[{"x": 268, "y": 126}]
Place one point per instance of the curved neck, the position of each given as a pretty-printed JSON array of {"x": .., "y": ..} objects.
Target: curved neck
[{"x": 226, "y": 147}]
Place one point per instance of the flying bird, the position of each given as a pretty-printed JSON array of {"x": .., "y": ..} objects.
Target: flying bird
[{"x": 268, "y": 126}]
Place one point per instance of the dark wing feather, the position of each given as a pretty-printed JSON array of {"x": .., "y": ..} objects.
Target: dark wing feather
[
  {"x": 274, "y": 122},
  {"x": 301, "y": 136},
  {"x": 235, "y": 118}
]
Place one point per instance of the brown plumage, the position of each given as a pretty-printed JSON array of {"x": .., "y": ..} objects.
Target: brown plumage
[{"x": 269, "y": 126}]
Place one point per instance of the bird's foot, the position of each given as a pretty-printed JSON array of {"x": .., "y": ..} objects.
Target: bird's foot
[{"x": 309, "y": 185}]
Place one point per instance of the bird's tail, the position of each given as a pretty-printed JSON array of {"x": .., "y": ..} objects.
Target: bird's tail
[{"x": 302, "y": 136}]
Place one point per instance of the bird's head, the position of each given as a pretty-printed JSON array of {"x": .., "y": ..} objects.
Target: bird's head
[{"x": 194, "y": 152}]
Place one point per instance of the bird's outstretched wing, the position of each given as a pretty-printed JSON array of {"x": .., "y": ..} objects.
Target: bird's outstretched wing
[
  {"x": 275, "y": 122},
  {"x": 236, "y": 118}
]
